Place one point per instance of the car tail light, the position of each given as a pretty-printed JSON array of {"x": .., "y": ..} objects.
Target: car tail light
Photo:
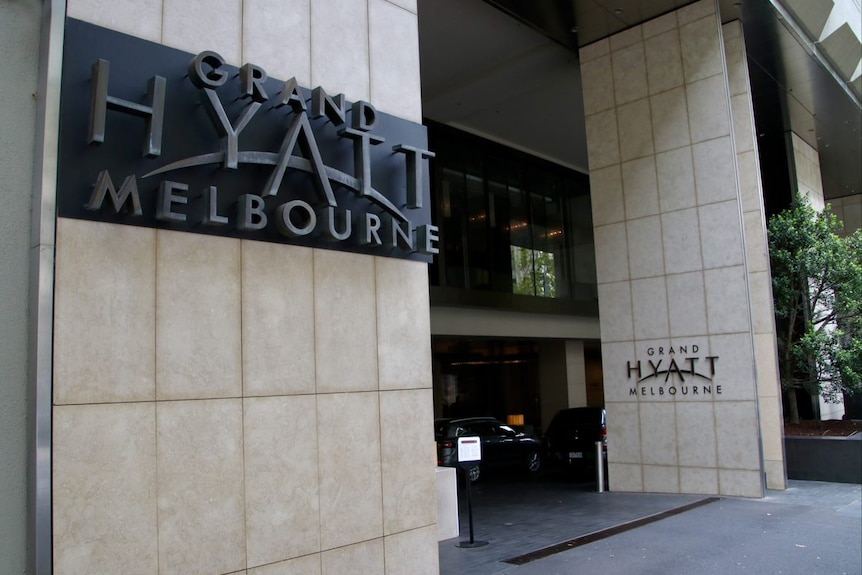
[{"x": 604, "y": 434}]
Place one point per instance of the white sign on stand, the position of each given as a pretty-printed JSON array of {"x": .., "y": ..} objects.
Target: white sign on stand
[{"x": 469, "y": 449}]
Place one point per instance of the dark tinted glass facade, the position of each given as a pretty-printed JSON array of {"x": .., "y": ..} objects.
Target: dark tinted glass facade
[{"x": 514, "y": 228}]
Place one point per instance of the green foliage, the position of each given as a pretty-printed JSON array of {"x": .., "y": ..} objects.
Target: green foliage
[
  {"x": 817, "y": 287},
  {"x": 533, "y": 272}
]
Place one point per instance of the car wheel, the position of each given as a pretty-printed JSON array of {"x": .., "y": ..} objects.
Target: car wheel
[
  {"x": 473, "y": 474},
  {"x": 534, "y": 462}
]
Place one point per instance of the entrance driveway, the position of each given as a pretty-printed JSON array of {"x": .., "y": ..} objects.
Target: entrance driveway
[{"x": 810, "y": 528}]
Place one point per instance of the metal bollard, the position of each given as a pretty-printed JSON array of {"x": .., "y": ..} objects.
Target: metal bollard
[{"x": 600, "y": 467}]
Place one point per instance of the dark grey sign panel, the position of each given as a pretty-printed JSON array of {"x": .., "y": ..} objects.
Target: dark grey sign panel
[{"x": 153, "y": 136}]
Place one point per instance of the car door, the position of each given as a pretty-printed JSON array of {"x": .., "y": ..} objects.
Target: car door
[{"x": 492, "y": 447}]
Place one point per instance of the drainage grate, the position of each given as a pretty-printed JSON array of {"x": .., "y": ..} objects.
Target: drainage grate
[{"x": 604, "y": 533}]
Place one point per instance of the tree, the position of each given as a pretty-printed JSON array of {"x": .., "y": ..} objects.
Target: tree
[{"x": 817, "y": 288}]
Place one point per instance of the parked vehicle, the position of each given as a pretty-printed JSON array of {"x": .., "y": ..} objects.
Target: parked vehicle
[
  {"x": 502, "y": 446},
  {"x": 570, "y": 441}
]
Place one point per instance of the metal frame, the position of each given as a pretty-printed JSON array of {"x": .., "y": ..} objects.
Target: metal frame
[{"x": 42, "y": 244}]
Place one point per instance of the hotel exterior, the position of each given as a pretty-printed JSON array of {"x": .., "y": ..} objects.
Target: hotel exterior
[{"x": 252, "y": 249}]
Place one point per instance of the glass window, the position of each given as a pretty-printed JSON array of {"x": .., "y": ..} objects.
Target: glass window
[{"x": 509, "y": 223}]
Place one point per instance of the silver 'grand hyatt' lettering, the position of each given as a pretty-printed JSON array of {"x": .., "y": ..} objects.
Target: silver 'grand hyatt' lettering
[
  {"x": 673, "y": 371},
  {"x": 388, "y": 226}
]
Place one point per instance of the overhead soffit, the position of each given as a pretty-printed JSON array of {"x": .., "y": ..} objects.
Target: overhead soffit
[{"x": 486, "y": 65}]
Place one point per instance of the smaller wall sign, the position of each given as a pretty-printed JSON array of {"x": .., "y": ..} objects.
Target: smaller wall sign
[{"x": 673, "y": 371}]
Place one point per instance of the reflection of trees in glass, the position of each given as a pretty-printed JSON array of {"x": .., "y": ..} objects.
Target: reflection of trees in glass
[{"x": 533, "y": 272}]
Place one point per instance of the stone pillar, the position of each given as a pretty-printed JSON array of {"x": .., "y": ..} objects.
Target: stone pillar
[
  {"x": 231, "y": 406},
  {"x": 675, "y": 305}
]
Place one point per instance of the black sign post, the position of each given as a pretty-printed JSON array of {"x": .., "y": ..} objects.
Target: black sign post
[{"x": 469, "y": 456}]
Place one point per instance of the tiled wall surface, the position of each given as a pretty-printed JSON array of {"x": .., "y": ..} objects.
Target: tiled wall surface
[
  {"x": 181, "y": 447},
  {"x": 849, "y": 210},
  {"x": 228, "y": 406},
  {"x": 757, "y": 259},
  {"x": 671, "y": 261}
]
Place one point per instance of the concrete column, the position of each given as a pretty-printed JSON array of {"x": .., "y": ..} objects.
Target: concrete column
[
  {"x": 675, "y": 304},
  {"x": 230, "y": 406}
]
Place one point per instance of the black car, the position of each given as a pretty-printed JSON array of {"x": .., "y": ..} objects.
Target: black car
[
  {"x": 571, "y": 438},
  {"x": 502, "y": 446}
]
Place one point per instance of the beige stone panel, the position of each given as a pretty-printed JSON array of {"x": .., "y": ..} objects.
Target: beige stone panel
[
  {"x": 104, "y": 324},
  {"x": 395, "y": 84},
  {"x": 200, "y": 486},
  {"x": 721, "y": 235},
  {"x": 345, "y": 329},
  {"x": 141, "y": 18},
  {"x": 630, "y": 80},
  {"x": 761, "y": 302},
  {"x": 664, "y": 62},
  {"x": 757, "y": 257},
  {"x": 340, "y": 47},
  {"x": 670, "y": 120},
  {"x": 734, "y": 55},
  {"x": 767, "y": 365},
  {"x": 409, "y": 5},
  {"x": 282, "y": 511},
  {"x": 714, "y": 171},
  {"x": 645, "y": 247},
  {"x": 612, "y": 262},
  {"x": 771, "y": 428},
  {"x": 640, "y": 188},
  {"x": 734, "y": 368},
  {"x": 701, "y": 53},
  {"x": 626, "y": 38},
  {"x": 681, "y": 240},
  {"x": 658, "y": 434},
  {"x": 602, "y": 139},
  {"x": 594, "y": 50},
  {"x": 198, "y": 308},
  {"x": 104, "y": 489},
  {"x": 740, "y": 483},
  {"x": 412, "y": 552},
  {"x": 649, "y": 305},
  {"x": 277, "y": 319},
  {"x": 726, "y": 293},
  {"x": 695, "y": 11},
  {"x": 698, "y": 480},
  {"x": 743, "y": 131},
  {"x": 409, "y": 454},
  {"x": 659, "y": 25},
  {"x": 852, "y": 217},
  {"x": 308, "y": 565},
  {"x": 661, "y": 479},
  {"x": 695, "y": 431},
  {"x": 282, "y": 45},
  {"x": 776, "y": 476},
  {"x": 736, "y": 435},
  {"x": 675, "y": 178},
  {"x": 351, "y": 500},
  {"x": 708, "y": 116},
  {"x": 636, "y": 139},
  {"x": 218, "y": 27},
  {"x": 606, "y": 195},
  {"x": 617, "y": 358},
  {"x": 597, "y": 84},
  {"x": 366, "y": 558},
  {"x": 686, "y": 304},
  {"x": 403, "y": 324},
  {"x": 624, "y": 440},
  {"x": 615, "y": 312},
  {"x": 749, "y": 181},
  {"x": 625, "y": 477}
]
